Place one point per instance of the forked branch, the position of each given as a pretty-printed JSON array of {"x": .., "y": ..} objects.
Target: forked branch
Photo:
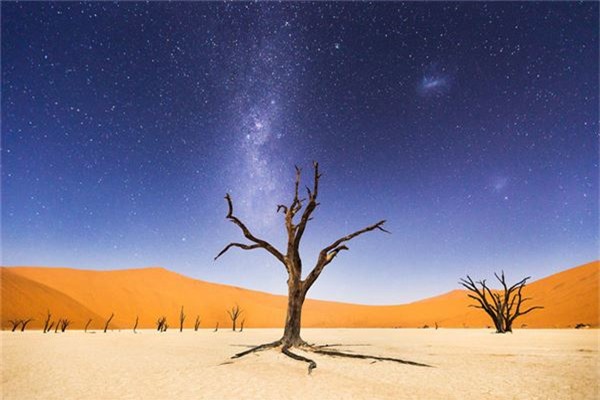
[
  {"x": 258, "y": 243},
  {"x": 327, "y": 255}
]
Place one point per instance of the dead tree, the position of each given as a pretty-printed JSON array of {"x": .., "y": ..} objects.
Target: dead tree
[
  {"x": 297, "y": 214},
  {"x": 24, "y": 324},
  {"x": 161, "y": 324},
  {"x": 86, "y": 325},
  {"x": 234, "y": 314},
  {"x": 137, "y": 318},
  {"x": 47, "y": 322},
  {"x": 197, "y": 323},
  {"x": 64, "y": 324},
  {"x": 502, "y": 306},
  {"x": 216, "y": 327},
  {"x": 242, "y": 326},
  {"x": 57, "y": 325},
  {"x": 50, "y": 326},
  {"x": 15, "y": 324},
  {"x": 108, "y": 322},
  {"x": 181, "y": 319}
]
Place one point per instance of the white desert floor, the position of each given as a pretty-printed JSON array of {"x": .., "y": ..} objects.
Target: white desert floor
[{"x": 466, "y": 364}]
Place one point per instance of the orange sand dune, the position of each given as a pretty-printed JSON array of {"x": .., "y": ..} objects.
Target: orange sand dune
[
  {"x": 569, "y": 297},
  {"x": 24, "y": 298}
]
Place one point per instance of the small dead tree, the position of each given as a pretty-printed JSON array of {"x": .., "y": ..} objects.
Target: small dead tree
[
  {"x": 86, "y": 325},
  {"x": 64, "y": 324},
  {"x": 24, "y": 324},
  {"x": 137, "y": 318},
  {"x": 197, "y": 323},
  {"x": 234, "y": 314},
  {"x": 502, "y": 306},
  {"x": 297, "y": 215},
  {"x": 57, "y": 326},
  {"x": 50, "y": 326},
  {"x": 47, "y": 322},
  {"x": 108, "y": 322},
  {"x": 242, "y": 326},
  {"x": 15, "y": 323},
  {"x": 161, "y": 324},
  {"x": 216, "y": 327},
  {"x": 181, "y": 319}
]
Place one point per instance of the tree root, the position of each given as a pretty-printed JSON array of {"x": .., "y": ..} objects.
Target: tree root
[
  {"x": 258, "y": 348},
  {"x": 318, "y": 349},
  {"x": 311, "y": 364},
  {"x": 334, "y": 353},
  {"x": 322, "y": 346}
]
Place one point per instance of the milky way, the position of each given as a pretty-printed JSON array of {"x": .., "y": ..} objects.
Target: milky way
[{"x": 471, "y": 127}]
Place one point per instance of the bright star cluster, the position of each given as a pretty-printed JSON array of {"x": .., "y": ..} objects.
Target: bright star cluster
[{"x": 471, "y": 127}]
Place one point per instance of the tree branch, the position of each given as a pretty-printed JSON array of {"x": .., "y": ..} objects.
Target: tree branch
[
  {"x": 240, "y": 245},
  {"x": 310, "y": 207},
  {"x": 259, "y": 242},
  {"x": 330, "y": 252}
]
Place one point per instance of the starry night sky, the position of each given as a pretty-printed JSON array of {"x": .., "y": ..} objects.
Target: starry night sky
[{"x": 472, "y": 128}]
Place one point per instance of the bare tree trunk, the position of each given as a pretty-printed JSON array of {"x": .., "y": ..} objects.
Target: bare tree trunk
[
  {"x": 137, "y": 318},
  {"x": 234, "y": 314},
  {"x": 46, "y": 329},
  {"x": 24, "y": 324},
  {"x": 15, "y": 324},
  {"x": 161, "y": 324},
  {"x": 86, "y": 325},
  {"x": 57, "y": 326},
  {"x": 242, "y": 326},
  {"x": 181, "y": 319},
  {"x": 293, "y": 320},
  {"x": 197, "y": 323},
  {"x": 50, "y": 326},
  {"x": 291, "y": 261},
  {"x": 108, "y": 322},
  {"x": 216, "y": 327},
  {"x": 64, "y": 324},
  {"x": 502, "y": 306}
]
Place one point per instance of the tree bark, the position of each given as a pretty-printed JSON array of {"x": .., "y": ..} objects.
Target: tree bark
[{"x": 293, "y": 320}]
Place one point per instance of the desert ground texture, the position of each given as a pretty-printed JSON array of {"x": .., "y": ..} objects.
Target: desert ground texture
[{"x": 465, "y": 363}]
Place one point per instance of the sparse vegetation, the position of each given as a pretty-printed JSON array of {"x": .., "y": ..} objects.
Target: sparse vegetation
[
  {"x": 15, "y": 324},
  {"x": 108, "y": 322},
  {"x": 181, "y": 319},
  {"x": 197, "y": 323},
  {"x": 503, "y": 306},
  {"x": 582, "y": 326},
  {"x": 161, "y": 324},
  {"x": 64, "y": 324},
  {"x": 47, "y": 322},
  {"x": 234, "y": 314}
]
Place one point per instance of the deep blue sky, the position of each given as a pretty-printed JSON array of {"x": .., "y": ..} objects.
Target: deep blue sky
[{"x": 472, "y": 128}]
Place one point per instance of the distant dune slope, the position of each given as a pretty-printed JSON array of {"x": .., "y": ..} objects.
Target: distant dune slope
[
  {"x": 24, "y": 298},
  {"x": 569, "y": 297}
]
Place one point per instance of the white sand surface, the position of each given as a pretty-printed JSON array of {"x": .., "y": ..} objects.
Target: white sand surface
[{"x": 466, "y": 363}]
